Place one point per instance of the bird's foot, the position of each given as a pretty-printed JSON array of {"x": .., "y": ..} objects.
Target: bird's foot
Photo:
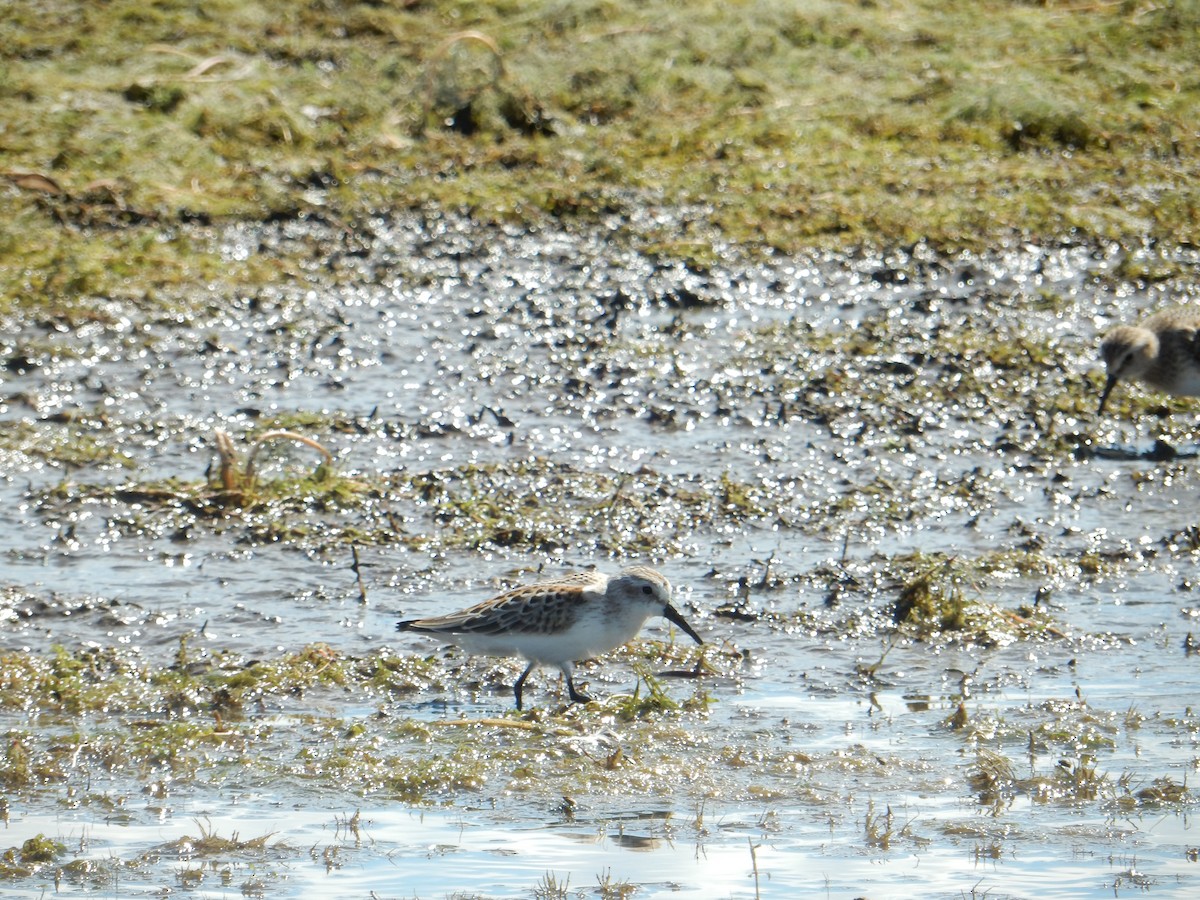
[{"x": 578, "y": 696}]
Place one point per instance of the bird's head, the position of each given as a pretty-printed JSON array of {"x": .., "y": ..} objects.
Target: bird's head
[
  {"x": 651, "y": 588},
  {"x": 1128, "y": 352}
]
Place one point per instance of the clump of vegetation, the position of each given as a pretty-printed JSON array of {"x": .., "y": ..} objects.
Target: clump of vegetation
[
  {"x": 533, "y": 504},
  {"x": 883, "y": 829},
  {"x": 467, "y": 90},
  {"x": 209, "y": 843},
  {"x": 189, "y": 721},
  {"x": 67, "y": 447},
  {"x": 35, "y": 854},
  {"x": 237, "y": 484},
  {"x": 992, "y": 777},
  {"x": 177, "y": 505},
  {"x": 932, "y": 599},
  {"x": 550, "y": 888},
  {"x": 541, "y": 504},
  {"x": 637, "y": 705},
  {"x": 1164, "y": 791},
  {"x": 609, "y": 888}
]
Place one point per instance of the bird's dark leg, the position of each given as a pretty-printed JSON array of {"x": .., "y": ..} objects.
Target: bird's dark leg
[
  {"x": 521, "y": 683},
  {"x": 577, "y": 696}
]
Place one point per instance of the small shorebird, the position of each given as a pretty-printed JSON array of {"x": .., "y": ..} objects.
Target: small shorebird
[
  {"x": 1163, "y": 351},
  {"x": 559, "y": 622}
]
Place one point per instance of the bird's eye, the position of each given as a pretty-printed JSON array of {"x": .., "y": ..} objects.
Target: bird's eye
[{"x": 647, "y": 590}]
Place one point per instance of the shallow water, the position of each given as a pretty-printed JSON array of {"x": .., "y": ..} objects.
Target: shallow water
[
  {"x": 395, "y": 852},
  {"x": 442, "y": 347}
]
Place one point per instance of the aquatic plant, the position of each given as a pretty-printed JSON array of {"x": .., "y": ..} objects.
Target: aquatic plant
[
  {"x": 550, "y": 888},
  {"x": 239, "y": 485},
  {"x": 33, "y": 855},
  {"x": 209, "y": 843},
  {"x": 932, "y": 598}
]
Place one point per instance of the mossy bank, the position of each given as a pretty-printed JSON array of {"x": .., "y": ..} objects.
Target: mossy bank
[{"x": 683, "y": 127}]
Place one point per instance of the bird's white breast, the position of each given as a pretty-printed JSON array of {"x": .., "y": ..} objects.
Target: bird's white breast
[{"x": 591, "y": 634}]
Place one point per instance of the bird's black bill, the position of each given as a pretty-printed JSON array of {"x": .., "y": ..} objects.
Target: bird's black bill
[
  {"x": 1108, "y": 386},
  {"x": 671, "y": 614}
]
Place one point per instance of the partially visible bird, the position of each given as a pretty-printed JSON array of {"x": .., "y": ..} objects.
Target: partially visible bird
[
  {"x": 559, "y": 622},
  {"x": 1163, "y": 352}
]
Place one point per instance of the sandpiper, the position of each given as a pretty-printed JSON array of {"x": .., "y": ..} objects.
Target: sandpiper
[
  {"x": 559, "y": 622},
  {"x": 1163, "y": 351}
]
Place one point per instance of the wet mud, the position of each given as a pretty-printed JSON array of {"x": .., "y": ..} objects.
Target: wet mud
[{"x": 948, "y": 609}]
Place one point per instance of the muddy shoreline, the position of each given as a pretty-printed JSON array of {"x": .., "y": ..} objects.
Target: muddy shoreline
[{"x": 799, "y": 444}]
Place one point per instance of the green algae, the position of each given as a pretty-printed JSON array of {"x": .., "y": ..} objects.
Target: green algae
[
  {"x": 70, "y": 444},
  {"x": 941, "y": 596},
  {"x": 33, "y": 855},
  {"x": 197, "y": 723},
  {"x": 533, "y": 504}
]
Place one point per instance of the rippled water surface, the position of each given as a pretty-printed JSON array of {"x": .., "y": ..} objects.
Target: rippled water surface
[{"x": 828, "y": 762}]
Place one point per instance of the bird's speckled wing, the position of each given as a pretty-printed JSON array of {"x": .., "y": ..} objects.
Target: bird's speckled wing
[
  {"x": 536, "y": 608},
  {"x": 1178, "y": 355},
  {"x": 1178, "y": 332}
]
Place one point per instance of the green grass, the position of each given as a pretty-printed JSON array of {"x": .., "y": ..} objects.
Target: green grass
[{"x": 767, "y": 123}]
